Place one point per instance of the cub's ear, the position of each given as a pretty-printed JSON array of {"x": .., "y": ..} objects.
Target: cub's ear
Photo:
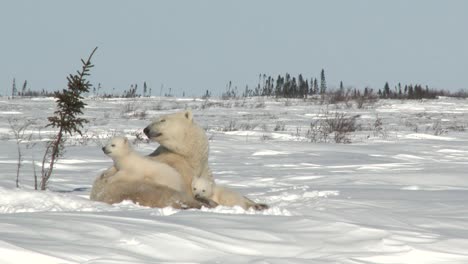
[
  {"x": 188, "y": 114},
  {"x": 125, "y": 140}
]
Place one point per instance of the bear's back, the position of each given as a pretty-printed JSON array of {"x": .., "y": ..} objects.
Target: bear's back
[{"x": 227, "y": 197}]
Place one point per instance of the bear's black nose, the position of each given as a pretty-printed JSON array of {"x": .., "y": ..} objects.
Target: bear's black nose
[
  {"x": 104, "y": 149},
  {"x": 146, "y": 131}
]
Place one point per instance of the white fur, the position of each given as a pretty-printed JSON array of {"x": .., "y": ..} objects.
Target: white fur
[
  {"x": 182, "y": 141},
  {"x": 132, "y": 167},
  {"x": 207, "y": 189}
]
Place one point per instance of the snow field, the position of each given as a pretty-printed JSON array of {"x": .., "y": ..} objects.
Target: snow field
[{"x": 394, "y": 195}]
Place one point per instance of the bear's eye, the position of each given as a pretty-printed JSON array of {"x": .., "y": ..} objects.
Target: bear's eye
[
  {"x": 194, "y": 188},
  {"x": 162, "y": 120},
  {"x": 203, "y": 190},
  {"x": 113, "y": 145}
]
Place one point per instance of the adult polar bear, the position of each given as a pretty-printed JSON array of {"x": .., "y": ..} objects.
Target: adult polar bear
[{"x": 183, "y": 146}]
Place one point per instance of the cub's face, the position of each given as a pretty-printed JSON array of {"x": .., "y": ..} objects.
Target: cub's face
[
  {"x": 170, "y": 129},
  {"x": 202, "y": 188},
  {"x": 116, "y": 147}
]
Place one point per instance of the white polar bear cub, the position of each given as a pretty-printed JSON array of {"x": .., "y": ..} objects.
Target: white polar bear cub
[
  {"x": 203, "y": 188},
  {"x": 132, "y": 166}
]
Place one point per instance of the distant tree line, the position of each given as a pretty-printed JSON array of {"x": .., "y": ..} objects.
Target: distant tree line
[
  {"x": 132, "y": 92},
  {"x": 281, "y": 86},
  {"x": 26, "y": 91},
  {"x": 416, "y": 91},
  {"x": 287, "y": 86}
]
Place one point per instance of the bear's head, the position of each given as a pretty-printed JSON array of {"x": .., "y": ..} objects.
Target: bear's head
[
  {"x": 172, "y": 131},
  {"x": 202, "y": 188},
  {"x": 117, "y": 147}
]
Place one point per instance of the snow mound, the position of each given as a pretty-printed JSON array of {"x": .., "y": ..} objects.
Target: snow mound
[{"x": 19, "y": 201}]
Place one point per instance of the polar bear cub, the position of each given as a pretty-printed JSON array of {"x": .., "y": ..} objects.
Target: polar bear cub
[
  {"x": 203, "y": 188},
  {"x": 132, "y": 166}
]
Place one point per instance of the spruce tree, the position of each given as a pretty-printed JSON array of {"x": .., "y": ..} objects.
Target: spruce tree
[
  {"x": 316, "y": 88},
  {"x": 386, "y": 92},
  {"x": 14, "y": 91},
  {"x": 279, "y": 86},
  {"x": 25, "y": 86},
  {"x": 69, "y": 105},
  {"x": 323, "y": 82}
]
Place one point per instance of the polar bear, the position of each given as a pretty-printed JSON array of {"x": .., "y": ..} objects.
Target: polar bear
[
  {"x": 205, "y": 190},
  {"x": 183, "y": 146},
  {"x": 131, "y": 166},
  {"x": 146, "y": 193}
]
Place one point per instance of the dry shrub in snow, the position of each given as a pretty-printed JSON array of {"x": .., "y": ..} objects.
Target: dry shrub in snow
[{"x": 338, "y": 126}]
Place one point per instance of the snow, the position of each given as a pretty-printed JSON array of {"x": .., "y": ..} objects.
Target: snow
[{"x": 397, "y": 195}]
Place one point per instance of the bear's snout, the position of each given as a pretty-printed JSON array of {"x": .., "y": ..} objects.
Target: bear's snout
[
  {"x": 104, "y": 149},
  {"x": 146, "y": 131}
]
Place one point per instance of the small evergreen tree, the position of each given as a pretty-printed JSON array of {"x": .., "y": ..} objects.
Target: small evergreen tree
[
  {"x": 279, "y": 86},
  {"x": 386, "y": 92},
  {"x": 14, "y": 91},
  {"x": 316, "y": 89},
  {"x": 25, "y": 86},
  {"x": 323, "y": 82},
  {"x": 410, "y": 92},
  {"x": 69, "y": 105}
]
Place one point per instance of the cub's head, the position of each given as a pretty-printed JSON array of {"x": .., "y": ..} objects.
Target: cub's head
[
  {"x": 202, "y": 187},
  {"x": 116, "y": 147},
  {"x": 171, "y": 130}
]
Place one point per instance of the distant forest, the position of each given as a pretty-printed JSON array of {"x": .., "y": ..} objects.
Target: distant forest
[
  {"x": 288, "y": 86},
  {"x": 283, "y": 86}
]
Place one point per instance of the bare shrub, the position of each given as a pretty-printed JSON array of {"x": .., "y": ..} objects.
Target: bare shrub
[
  {"x": 131, "y": 110},
  {"x": 231, "y": 126},
  {"x": 19, "y": 132},
  {"x": 260, "y": 105},
  {"x": 337, "y": 126},
  {"x": 438, "y": 129},
  {"x": 240, "y": 103},
  {"x": 341, "y": 126},
  {"x": 378, "y": 126},
  {"x": 339, "y": 96},
  {"x": 316, "y": 133},
  {"x": 266, "y": 137},
  {"x": 360, "y": 102},
  {"x": 458, "y": 128},
  {"x": 248, "y": 126},
  {"x": 140, "y": 114},
  {"x": 411, "y": 125},
  {"x": 280, "y": 126},
  {"x": 364, "y": 100},
  {"x": 128, "y": 108}
]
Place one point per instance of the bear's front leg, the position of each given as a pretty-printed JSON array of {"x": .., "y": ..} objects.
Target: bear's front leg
[
  {"x": 108, "y": 173},
  {"x": 206, "y": 201},
  {"x": 100, "y": 182}
]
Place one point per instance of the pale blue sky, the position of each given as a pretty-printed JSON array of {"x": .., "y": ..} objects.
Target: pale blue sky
[{"x": 193, "y": 46}]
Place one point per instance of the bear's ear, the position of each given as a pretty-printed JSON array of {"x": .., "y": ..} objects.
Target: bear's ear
[
  {"x": 188, "y": 114},
  {"x": 125, "y": 140}
]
